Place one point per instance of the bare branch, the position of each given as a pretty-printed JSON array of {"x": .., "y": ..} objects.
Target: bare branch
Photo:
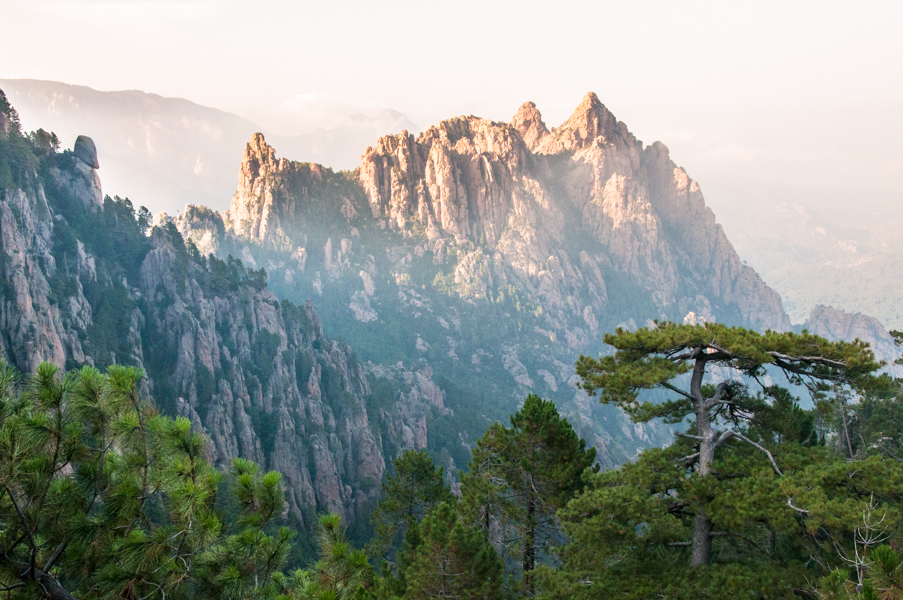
[
  {"x": 22, "y": 518},
  {"x": 56, "y": 555},
  {"x": 726, "y": 435},
  {"x": 774, "y": 464},
  {"x": 677, "y": 390},
  {"x": 688, "y": 458},
  {"x": 818, "y": 360}
]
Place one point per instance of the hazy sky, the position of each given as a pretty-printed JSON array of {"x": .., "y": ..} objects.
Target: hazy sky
[{"x": 804, "y": 92}]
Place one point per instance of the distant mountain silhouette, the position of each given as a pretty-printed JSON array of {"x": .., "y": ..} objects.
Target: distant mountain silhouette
[{"x": 168, "y": 152}]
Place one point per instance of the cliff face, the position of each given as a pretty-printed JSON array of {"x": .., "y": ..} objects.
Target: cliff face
[
  {"x": 838, "y": 325},
  {"x": 518, "y": 192},
  {"x": 495, "y": 253},
  {"x": 34, "y": 327},
  {"x": 94, "y": 285}
]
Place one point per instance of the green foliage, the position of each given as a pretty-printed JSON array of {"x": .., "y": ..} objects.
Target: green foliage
[
  {"x": 881, "y": 579},
  {"x": 662, "y": 358},
  {"x": 104, "y": 498},
  {"x": 408, "y": 495},
  {"x": 519, "y": 477},
  {"x": 771, "y": 509},
  {"x": 18, "y": 155},
  {"x": 875, "y": 423},
  {"x": 635, "y": 524},
  {"x": 452, "y": 560},
  {"x": 652, "y": 358},
  {"x": 225, "y": 276},
  {"x": 342, "y": 573},
  {"x": 265, "y": 350}
]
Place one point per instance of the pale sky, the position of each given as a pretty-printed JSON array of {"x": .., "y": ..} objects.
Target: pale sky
[{"x": 803, "y": 92}]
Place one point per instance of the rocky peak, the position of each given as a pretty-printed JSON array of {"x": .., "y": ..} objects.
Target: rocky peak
[
  {"x": 478, "y": 180},
  {"x": 200, "y": 225},
  {"x": 456, "y": 175},
  {"x": 83, "y": 180},
  {"x": 86, "y": 151},
  {"x": 528, "y": 122},
  {"x": 274, "y": 194},
  {"x": 253, "y": 202},
  {"x": 590, "y": 120},
  {"x": 258, "y": 160},
  {"x": 837, "y": 325},
  {"x": 473, "y": 135}
]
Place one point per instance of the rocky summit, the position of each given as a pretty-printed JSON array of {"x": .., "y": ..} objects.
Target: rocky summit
[{"x": 494, "y": 254}]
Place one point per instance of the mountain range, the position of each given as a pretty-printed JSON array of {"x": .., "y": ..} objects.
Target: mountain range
[
  {"x": 828, "y": 246},
  {"x": 815, "y": 246},
  {"x": 329, "y": 320}
]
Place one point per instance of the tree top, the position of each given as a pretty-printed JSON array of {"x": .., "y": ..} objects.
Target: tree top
[{"x": 651, "y": 357}]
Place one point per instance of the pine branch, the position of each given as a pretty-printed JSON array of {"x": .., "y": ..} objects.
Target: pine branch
[
  {"x": 732, "y": 433},
  {"x": 799, "y": 510}
]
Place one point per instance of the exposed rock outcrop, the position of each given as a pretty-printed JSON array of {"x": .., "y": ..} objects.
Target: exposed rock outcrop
[
  {"x": 86, "y": 151},
  {"x": 257, "y": 375},
  {"x": 474, "y": 179},
  {"x": 837, "y": 325},
  {"x": 524, "y": 245},
  {"x": 35, "y": 325},
  {"x": 530, "y": 125},
  {"x": 82, "y": 181},
  {"x": 200, "y": 225}
]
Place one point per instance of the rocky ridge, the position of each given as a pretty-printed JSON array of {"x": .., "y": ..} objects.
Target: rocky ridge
[
  {"x": 496, "y": 253},
  {"x": 837, "y": 325},
  {"x": 478, "y": 180},
  {"x": 89, "y": 285}
]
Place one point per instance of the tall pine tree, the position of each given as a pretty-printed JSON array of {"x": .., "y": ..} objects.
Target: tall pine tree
[
  {"x": 658, "y": 357},
  {"x": 519, "y": 477}
]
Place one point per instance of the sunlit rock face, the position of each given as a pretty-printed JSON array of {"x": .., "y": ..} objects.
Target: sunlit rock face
[
  {"x": 496, "y": 253},
  {"x": 521, "y": 194}
]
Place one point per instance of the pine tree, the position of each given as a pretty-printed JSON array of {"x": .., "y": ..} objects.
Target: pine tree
[
  {"x": 342, "y": 573},
  {"x": 452, "y": 560},
  {"x": 104, "y": 498},
  {"x": 656, "y": 358},
  {"x": 519, "y": 477},
  {"x": 407, "y": 496}
]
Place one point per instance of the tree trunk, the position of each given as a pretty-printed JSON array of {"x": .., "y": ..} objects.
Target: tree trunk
[
  {"x": 702, "y": 525},
  {"x": 842, "y": 401},
  {"x": 529, "y": 548}
]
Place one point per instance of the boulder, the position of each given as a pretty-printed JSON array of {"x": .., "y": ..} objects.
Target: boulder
[{"x": 86, "y": 151}]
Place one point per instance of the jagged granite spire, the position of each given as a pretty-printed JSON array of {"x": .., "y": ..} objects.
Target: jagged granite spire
[
  {"x": 528, "y": 122},
  {"x": 589, "y": 121}
]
